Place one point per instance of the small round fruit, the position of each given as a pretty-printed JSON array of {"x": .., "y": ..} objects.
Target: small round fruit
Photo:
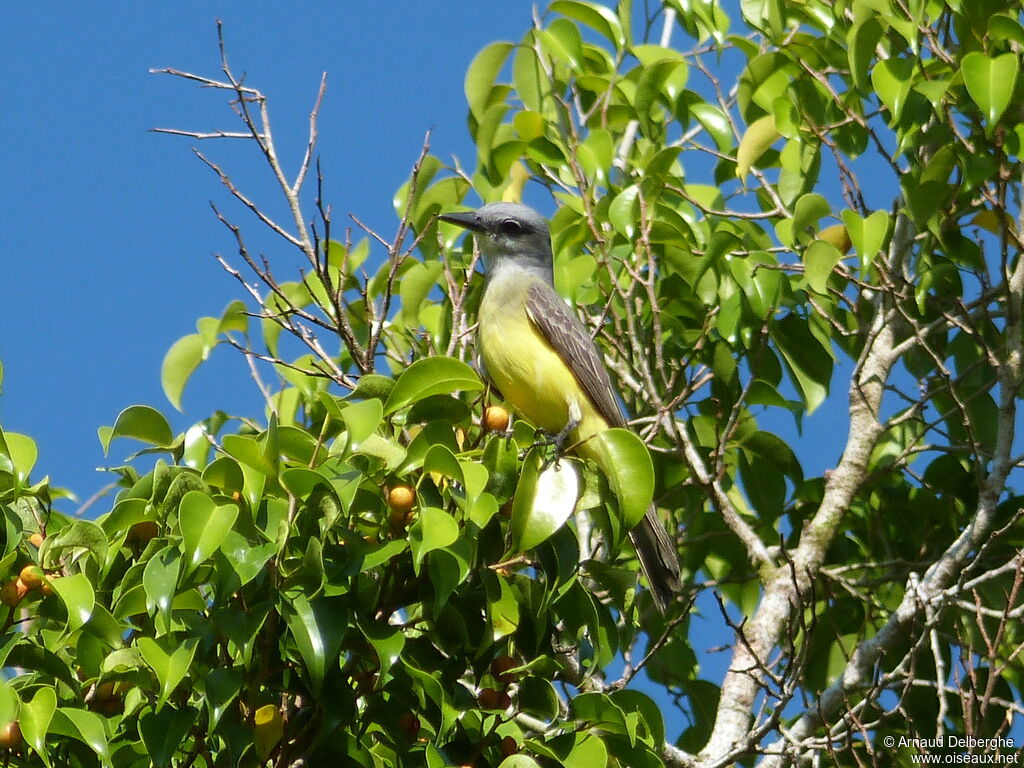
[
  {"x": 11, "y": 593},
  {"x": 36, "y": 539},
  {"x": 409, "y": 724},
  {"x": 32, "y": 576},
  {"x": 509, "y": 746},
  {"x": 401, "y": 498},
  {"x": 488, "y": 698},
  {"x": 143, "y": 532},
  {"x": 500, "y": 669},
  {"x": 10, "y": 736},
  {"x": 496, "y": 419}
]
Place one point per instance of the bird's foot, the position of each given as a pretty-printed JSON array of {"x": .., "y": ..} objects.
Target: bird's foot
[{"x": 556, "y": 441}]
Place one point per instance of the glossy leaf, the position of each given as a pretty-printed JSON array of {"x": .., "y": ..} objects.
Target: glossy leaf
[
  {"x": 544, "y": 500},
  {"x": 204, "y": 525},
  {"x": 431, "y": 376},
  {"x": 820, "y": 258},
  {"x": 164, "y": 731},
  {"x": 627, "y": 464},
  {"x": 179, "y": 364},
  {"x": 598, "y": 17},
  {"x": 141, "y": 423},
  {"x": 36, "y": 715},
  {"x": 170, "y": 667},
  {"x": 84, "y": 726},
  {"x": 433, "y": 529},
  {"x": 990, "y": 82},
  {"x": 317, "y": 627},
  {"x": 76, "y": 593},
  {"x": 362, "y": 420},
  {"x": 482, "y": 73}
]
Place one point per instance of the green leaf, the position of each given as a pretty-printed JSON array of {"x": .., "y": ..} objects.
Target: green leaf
[
  {"x": 624, "y": 212},
  {"x": 626, "y": 462},
  {"x": 482, "y": 73},
  {"x": 502, "y": 606},
  {"x": 141, "y": 423},
  {"x": 538, "y": 697},
  {"x": 36, "y": 715},
  {"x": 164, "y": 731},
  {"x": 866, "y": 235},
  {"x": 518, "y": 761},
  {"x": 10, "y": 703},
  {"x": 179, "y": 363},
  {"x": 318, "y": 627},
  {"x": 160, "y": 581},
  {"x": 990, "y": 82},
  {"x": 249, "y": 452},
  {"x": 715, "y": 123},
  {"x": 414, "y": 287},
  {"x": 434, "y": 528},
  {"x": 225, "y": 474},
  {"x": 84, "y": 726},
  {"x": 528, "y": 77},
  {"x": 221, "y": 687},
  {"x": 204, "y": 524},
  {"x": 599, "y": 18},
  {"x": 892, "y": 80},
  {"x": 809, "y": 363},
  {"x": 861, "y": 41},
  {"x": 79, "y": 599},
  {"x": 629, "y": 700},
  {"x": 807, "y": 212},
  {"x": 561, "y": 41},
  {"x": 362, "y": 420},
  {"x": 544, "y": 500},
  {"x": 20, "y": 453},
  {"x": 81, "y": 534},
  {"x": 431, "y": 376},
  {"x": 820, "y": 258},
  {"x": 170, "y": 667}
]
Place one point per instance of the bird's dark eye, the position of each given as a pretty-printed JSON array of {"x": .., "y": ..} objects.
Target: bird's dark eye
[{"x": 510, "y": 227}]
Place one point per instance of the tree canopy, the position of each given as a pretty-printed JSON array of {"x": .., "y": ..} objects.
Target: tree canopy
[{"x": 758, "y": 209}]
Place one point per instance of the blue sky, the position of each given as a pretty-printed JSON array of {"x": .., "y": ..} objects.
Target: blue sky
[{"x": 107, "y": 232}]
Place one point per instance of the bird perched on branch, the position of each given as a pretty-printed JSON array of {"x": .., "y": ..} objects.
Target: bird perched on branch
[{"x": 539, "y": 355}]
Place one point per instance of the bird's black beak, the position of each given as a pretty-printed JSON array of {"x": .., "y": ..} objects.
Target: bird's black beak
[{"x": 466, "y": 219}]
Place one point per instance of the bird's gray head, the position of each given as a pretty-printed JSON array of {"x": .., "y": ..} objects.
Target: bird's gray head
[{"x": 508, "y": 233}]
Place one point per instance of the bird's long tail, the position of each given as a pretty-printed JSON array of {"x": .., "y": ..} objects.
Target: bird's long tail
[{"x": 658, "y": 558}]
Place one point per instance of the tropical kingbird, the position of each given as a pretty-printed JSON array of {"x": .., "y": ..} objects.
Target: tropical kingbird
[{"x": 538, "y": 354}]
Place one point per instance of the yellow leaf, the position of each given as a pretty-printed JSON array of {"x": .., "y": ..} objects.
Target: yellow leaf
[
  {"x": 837, "y": 236},
  {"x": 760, "y": 135},
  {"x": 518, "y": 176}
]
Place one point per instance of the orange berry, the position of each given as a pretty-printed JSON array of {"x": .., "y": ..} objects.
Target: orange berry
[
  {"x": 401, "y": 498},
  {"x": 509, "y": 746},
  {"x": 409, "y": 724},
  {"x": 11, "y": 593},
  {"x": 488, "y": 698},
  {"x": 144, "y": 531},
  {"x": 496, "y": 419},
  {"x": 500, "y": 669},
  {"x": 10, "y": 736},
  {"x": 32, "y": 576},
  {"x": 36, "y": 539}
]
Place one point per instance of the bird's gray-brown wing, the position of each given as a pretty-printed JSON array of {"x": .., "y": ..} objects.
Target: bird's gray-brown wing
[{"x": 567, "y": 336}]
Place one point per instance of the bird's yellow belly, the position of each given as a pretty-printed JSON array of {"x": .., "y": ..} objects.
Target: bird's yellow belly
[{"x": 530, "y": 374}]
